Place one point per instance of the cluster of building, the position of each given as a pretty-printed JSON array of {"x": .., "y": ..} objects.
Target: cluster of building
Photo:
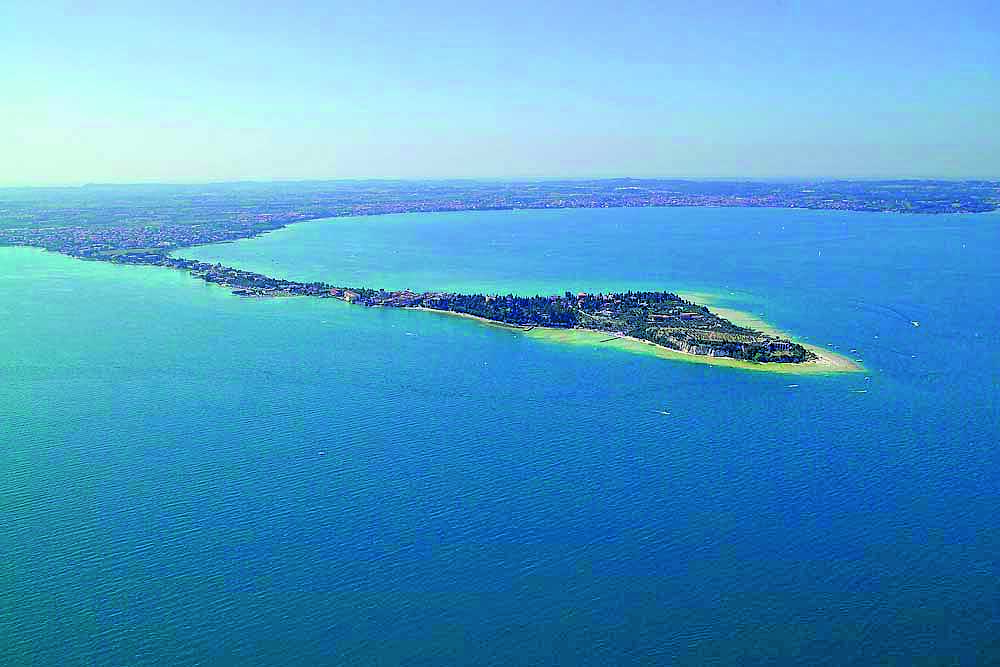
[
  {"x": 102, "y": 221},
  {"x": 106, "y": 242}
]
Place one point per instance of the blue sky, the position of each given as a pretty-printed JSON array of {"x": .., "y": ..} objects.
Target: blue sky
[{"x": 199, "y": 91}]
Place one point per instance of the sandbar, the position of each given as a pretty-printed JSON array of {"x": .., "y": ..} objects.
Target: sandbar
[{"x": 825, "y": 362}]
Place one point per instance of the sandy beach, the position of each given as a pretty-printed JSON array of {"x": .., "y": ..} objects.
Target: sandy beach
[{"x": 826, "y": 361}]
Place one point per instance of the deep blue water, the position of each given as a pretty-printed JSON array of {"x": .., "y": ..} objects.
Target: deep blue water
[{"x": 193, "y": 478}]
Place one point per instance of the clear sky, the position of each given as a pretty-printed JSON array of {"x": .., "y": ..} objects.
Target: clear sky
[{"x": 193, "y": 91}]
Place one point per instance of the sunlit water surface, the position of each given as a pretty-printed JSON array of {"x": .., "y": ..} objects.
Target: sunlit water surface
[{"x": 195, "y": 478}]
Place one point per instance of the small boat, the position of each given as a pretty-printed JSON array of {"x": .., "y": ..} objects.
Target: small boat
[
  {"x": 915, "y": 323},
  {"x": 792, "y": 386},
  {"x": 662, "y": 412}
]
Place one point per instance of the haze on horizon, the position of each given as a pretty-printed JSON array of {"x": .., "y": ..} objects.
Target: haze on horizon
[{"x": 125, "y": 92}]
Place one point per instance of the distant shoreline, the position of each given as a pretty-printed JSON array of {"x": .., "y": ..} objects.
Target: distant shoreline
[{"x": 102, "y": 222}]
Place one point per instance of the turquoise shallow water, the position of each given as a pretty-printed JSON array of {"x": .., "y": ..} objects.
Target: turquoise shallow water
[{"x": 192, "y": 478}]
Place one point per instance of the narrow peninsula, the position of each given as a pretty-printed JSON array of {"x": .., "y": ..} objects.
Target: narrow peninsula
[{"x": 661, "y": 318}]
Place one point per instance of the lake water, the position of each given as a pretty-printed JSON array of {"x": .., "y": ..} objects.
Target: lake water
[{"x": 195, "y": 478}]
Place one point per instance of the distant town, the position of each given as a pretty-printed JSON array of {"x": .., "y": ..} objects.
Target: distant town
[
  {"x": 100, "y": 221},
  {"x": 146, "y": 224}
]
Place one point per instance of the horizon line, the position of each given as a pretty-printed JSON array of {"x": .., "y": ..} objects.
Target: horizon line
[{"x": 502, "y": 179}]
